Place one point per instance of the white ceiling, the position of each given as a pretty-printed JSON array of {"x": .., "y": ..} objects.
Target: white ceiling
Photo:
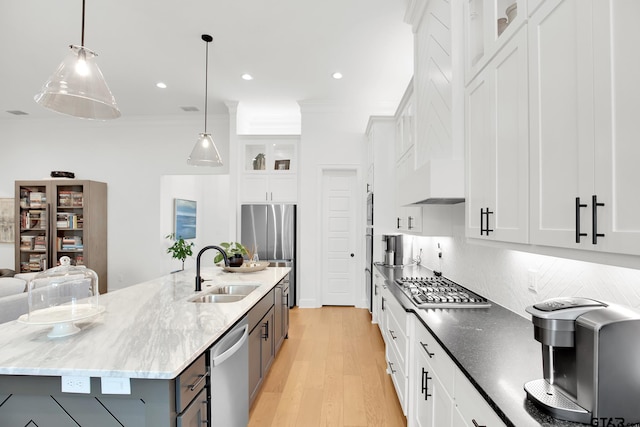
[{"x": 291, "y": 47}]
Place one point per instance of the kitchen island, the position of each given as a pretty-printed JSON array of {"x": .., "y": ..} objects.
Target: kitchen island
[
  {"x": 493, "y": 348},
  {"x": 147, "y": 337}
]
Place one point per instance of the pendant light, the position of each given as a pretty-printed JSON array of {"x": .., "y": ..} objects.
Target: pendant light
[
  {"x": 205, "y": 152},
  {"x": 78, "y": 87}
]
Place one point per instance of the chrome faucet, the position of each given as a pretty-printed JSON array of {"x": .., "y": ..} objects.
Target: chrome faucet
[{"x": 198, "y": 278}]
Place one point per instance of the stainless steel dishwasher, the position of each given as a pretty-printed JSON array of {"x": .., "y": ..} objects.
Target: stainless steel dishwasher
[{"x": 229, "y": 403}]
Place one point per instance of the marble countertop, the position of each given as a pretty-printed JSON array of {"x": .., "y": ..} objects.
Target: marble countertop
[
  {"x": 150, "y": 330},
  {"x": 494, "y": 347}
]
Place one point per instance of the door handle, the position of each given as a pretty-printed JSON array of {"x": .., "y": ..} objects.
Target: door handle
[
  {"x": 201, "y": 378},
  {"x": 217, "y": 360},
  {"x": 482, "y": 214},
  {"x": 594, "y": 225},
  {"x": 578, "y": 233},
  {"x": 425, "y": 384},
  {"x": 424, "y": 346}
]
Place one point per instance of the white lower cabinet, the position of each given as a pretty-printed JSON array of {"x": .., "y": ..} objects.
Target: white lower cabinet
[
  {"x": 393, "y": 326},
  {"x": 378, "y": 286},
  {"x": 431, "y": 381},
  {"x": 440, "y": 394},
  {"x": 471, "y": 408}
]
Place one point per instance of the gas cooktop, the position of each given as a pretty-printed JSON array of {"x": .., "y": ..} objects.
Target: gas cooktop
[{"x": 440, "y": 292}]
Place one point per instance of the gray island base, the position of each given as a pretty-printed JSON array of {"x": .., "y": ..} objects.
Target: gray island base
[{"x": 151, "y": 339}]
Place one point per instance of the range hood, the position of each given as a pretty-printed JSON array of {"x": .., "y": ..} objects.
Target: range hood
[{"x": 437, "y": 182}]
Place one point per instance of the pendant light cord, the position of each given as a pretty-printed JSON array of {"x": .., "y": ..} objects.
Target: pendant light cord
[
  {"x": 82, "y": 37},
  {"x": 206, "y": 85}
]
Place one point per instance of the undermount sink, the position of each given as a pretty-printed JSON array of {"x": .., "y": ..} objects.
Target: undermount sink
[
  {"x": 226, "y": 293},
  {"x": 218, "y": 298},
  {"x": 235, "y": 289}
]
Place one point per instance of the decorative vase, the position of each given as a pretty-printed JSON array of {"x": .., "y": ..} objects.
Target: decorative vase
[{"x": 235, "y": 260}]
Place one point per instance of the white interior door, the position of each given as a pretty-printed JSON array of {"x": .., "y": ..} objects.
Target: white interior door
[{"x": 338, "y": 237}]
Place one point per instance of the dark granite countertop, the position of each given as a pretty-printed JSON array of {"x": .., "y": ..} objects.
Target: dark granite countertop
[{"x": 494, "y": 347}]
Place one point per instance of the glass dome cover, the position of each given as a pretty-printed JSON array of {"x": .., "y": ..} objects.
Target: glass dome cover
[{"x": 61, "y": 296}]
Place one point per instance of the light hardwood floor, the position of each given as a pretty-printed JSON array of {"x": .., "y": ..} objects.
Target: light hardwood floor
[{"x": 330, "y": 372}]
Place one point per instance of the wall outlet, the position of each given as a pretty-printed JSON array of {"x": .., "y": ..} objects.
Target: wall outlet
[
  {"x": 532, "y": 279},
  {"x": 76, "y": 384}
]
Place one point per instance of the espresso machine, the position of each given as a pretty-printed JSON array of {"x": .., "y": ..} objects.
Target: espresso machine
[
  {"x": 590, "y": 360},
  {"x": 398, "y": 250}
]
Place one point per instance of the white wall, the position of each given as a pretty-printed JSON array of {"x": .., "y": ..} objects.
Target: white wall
[
  {"x": 502, "y": 275},
  {"x": 331, "y": 137},
  {"x": 133, "y": 156}
]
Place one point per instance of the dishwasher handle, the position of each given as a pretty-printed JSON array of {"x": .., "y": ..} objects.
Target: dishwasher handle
[{"x": 219, "y": 359}]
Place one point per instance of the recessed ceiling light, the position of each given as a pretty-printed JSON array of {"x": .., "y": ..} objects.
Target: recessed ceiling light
[
  {"x": 246, "y": 76},
  {"x": 337, "y": 75},
  {"x": 161, "y": 85}
]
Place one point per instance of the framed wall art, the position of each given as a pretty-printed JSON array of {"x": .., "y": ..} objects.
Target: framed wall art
[
  {"x": 7, "y": 220},
  {"x": 185, "y": 218}
]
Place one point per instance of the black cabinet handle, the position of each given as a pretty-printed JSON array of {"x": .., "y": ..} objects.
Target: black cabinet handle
[
  {"x": 382, "y": 305},
  {"x": 475, "y": 423},
  {"x": 393, "y": 371},
  {"x": 410, "y": 222},
  {"x": 424, "y": 346},
  {"x": 265, "y": 335},
  {"x": 425, "y": 384},
  {"x": 398, "y": 223},
  {"x": 578, "y": 233},
  {"x": 391, "y": 333},
  {"x": 594, "y": 224},
  {"x": 484, "y": 213}
]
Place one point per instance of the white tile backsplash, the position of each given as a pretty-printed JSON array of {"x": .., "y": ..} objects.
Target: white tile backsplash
[{"x": 502, "y": 275}]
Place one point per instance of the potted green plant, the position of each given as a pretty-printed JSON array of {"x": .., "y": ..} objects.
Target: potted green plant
[
  {"x": 233, "y": 249},
  {"x": 180, "y": 248}
]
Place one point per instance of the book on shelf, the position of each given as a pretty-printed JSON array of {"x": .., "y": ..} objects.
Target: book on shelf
[
  {"x": 33, "y": 219},
  {"x": 68, "y": 220},
  {"x": 37, "y": 262},
  {"x": 77, "y": 199},
  {"x": 37, "y": 199},
  {"x": 40, "y": 242},
  {"x": 71, "y": 243},
  {"x": 64, "y": 198},
  {"x": 70, "y": 199},
  {"x": 27, "y": 242},
  {"x": 79, "y": 259}
]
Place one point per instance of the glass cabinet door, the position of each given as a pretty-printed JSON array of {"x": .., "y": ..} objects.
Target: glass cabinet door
[
  {"x": 489, "y": 23},
  {"x": 269, "y": 157}
]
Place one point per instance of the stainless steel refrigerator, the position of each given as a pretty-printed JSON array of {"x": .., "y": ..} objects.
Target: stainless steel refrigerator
[{"x": 271, "y": 231}]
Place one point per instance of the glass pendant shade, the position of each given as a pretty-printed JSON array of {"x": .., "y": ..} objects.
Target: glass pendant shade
[
  {"x": 78, "y": 88},
  {"x": 205, "y": 152}
]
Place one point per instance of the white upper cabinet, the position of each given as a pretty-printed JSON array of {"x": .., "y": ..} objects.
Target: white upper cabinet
[
  {"x": 490, "y": 23},
  {"x": 430, "y": 163},
  {"x": 497, "y": 147},
  {"x": 381, "y": 171},
  {"x": 585, "y": 95},
  {"x": 269, "y": 165}
]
